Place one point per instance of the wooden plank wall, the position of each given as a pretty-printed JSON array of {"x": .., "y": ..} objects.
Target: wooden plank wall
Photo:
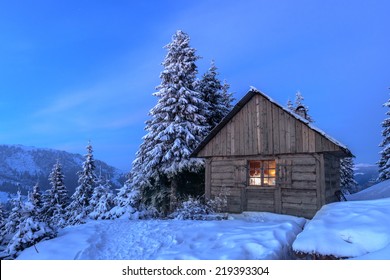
[
  {"x": 261, "y": 127},
  {"x": 228, "y": 177},
  {"x": 332, "y": 177},
  {"x": 300, "y": 197}
]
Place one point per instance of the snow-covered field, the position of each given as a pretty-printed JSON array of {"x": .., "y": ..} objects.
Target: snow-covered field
[
  {"x": 245, "y": 236},
  {"x": 354, "y": 229}
]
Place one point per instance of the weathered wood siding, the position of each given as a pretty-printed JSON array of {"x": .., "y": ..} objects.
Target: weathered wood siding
[
  {"x": 263, "y": 128},
  {"x": 301, "y": 197},
  {"x": 332, "y": 177},
  {"x": 297, "y": 192}
]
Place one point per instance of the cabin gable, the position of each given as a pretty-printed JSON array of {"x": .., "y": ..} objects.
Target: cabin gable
[{"x": 261, "y": 127}]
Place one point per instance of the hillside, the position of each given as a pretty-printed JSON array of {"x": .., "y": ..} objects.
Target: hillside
[
  {"x": 365, "y": 174},
  {"x": 23, "y": 167},
  {"x": 377, "y": 191}
]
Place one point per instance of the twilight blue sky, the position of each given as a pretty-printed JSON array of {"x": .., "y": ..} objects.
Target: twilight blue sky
[{"x": 73, "y": 71}]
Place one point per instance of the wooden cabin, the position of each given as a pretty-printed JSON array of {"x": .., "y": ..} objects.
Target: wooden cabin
[{"x": 267, "y": 158}]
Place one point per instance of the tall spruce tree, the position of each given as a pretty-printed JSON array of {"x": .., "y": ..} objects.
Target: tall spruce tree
[
  {"x": 57, "y": 198},
  {"x": 384, "y": 162},
  {"x": 215, "y": 95},
  {"x": 79, "y": 207},
  {"x": 176, "y": 127}
]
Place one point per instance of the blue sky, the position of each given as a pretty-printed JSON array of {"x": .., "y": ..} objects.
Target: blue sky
[{"x": 74, "y": 71}]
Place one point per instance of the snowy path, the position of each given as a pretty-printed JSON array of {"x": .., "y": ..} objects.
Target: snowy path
[
  {"x": 247, "y": 236},
  {"x": 125, "y": 239}
]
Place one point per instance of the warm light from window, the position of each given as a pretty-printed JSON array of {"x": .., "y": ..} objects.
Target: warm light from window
[{"x": 262, "y": 173}]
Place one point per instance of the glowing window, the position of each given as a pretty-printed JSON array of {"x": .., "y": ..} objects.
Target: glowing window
[{"x": 262, "y": 173}]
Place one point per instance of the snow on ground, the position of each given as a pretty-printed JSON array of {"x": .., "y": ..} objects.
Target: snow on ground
[
  {"x": 245, "y": 236},
  {"x": 381, "y": 190},
  {"x": 355, "y": 229}
]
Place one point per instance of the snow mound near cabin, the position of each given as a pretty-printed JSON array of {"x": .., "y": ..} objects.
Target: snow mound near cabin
[
  {"x": 348, "y": 229},
  {"x": 378, "y": 191},
  {"x": 246, "y": 236}
]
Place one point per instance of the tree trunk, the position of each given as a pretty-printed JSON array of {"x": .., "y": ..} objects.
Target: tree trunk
[{"x": 173, "y": 198}]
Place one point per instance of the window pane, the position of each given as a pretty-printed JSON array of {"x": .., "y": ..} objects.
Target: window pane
[
  {"x": 254, "y": 164},
  {"x": 255, "y": 181},
  {"x": 262, "y": 173}
]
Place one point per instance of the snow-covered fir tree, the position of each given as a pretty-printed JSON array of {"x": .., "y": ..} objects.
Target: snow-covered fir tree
[
  {"x": 3, "y": 215},
  {"x": 29, "y": 231},
  {"x": 129, "y": 198},
  {"x": 35, "y": 197},
  {"x": 102, "y": 200},
  {"x": 384, "y": 162},
  {"x": 13, "y": 220},
  {"x": 216, "y": 96},
  {"x": 290, "y": 105},
  {"x": 57, "y": 198},
  {"x": 347, "y": 180},
  {"x": 299, "y": 107},
  {"x": 176, "y": 127},
  {"x": 79, "y": 207}
]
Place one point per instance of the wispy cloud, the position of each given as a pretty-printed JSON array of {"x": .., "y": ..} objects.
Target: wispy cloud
[{"x": 113, "y": 103}]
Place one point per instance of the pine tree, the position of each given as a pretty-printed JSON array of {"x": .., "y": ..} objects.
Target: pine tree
[
  {"x": 80, "y": 207},
  {"x": 36, "y": 197},
  {"x": 290, "y": 105},
  {"x": 57, "y": 198},
  {"x": 176, "y": 127},
  {"x": 3, "y": 220},
  {"x": 13, "y": 221},
  {"x": 2, "y": 215},
  {"x": 300, "y": 108},
  {"x": 102, "y": 200},
  {"x": 347, "y": 180},
  {"x": 384, "y": 162},
  {"x": 29, "y": 231},
  {"x": 128, "y": 199},
  {"x": 215, "y": 95}
]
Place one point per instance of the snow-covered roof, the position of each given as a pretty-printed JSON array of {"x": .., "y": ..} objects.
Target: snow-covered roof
[{"x": 253, "y": 91}]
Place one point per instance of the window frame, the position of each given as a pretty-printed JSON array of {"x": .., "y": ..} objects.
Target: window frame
[{"x": 263, "y": 166}]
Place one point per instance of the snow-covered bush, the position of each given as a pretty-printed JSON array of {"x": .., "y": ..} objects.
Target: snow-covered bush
[
  {"x": 219, "y": 202},
  {"x": 192, "y": 209},
  {"x": 196, "y": 208}
]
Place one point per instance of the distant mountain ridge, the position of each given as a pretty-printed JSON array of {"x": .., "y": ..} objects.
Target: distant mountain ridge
[{"x": 22, "y": 167}]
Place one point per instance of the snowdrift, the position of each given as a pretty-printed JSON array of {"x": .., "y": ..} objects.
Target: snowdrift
[
  {"x": 378, "y": 191},
  {"x": 351, "y": 229}
]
